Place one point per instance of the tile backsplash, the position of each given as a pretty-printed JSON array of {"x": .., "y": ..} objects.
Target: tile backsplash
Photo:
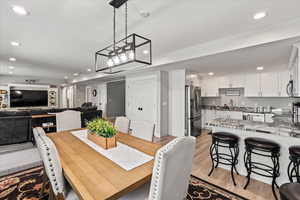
[{"x": 242, "y": 101}]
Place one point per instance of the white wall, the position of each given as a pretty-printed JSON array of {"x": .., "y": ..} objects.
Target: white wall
[{"x": 177, "y": 83}]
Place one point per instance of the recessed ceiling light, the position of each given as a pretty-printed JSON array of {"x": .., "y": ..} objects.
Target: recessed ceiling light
[
  {"x": 12, "y": 59},
  {"x": 210, "y": 73},
  {"x": 20, "y": 10},
  {"x": 66, "y": 77},
  {"x": 145, "y": 52},
  {"x": 89, "y": 70},
  {"x": 260, "y": 68},
  {"x": 14, "y": 43},
  {"x": 75, "y": 74},
  {"x": 11, "y": 67},
  {"x": 11, "y": 72},
  {"x": 259, "y": 15}
]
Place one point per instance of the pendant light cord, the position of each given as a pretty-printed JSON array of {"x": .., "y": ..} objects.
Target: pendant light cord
[
  {"x": 114, "y": 25},
  {"x": 126, "y": 16}
]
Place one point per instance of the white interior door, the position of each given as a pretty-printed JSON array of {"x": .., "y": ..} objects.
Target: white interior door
[{"x": 141, "y": 99}]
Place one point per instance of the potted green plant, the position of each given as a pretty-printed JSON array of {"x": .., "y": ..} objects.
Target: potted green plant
[{"x": 102, "y": 132}]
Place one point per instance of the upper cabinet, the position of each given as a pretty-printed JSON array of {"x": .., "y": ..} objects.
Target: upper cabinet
[
  {"x": 232, "y": 81},
  {"x": 253, "y": 85},
  {"x": 210, "y": 87},
  {"x": 265, "y": 84},
  {"x": 269, "y": 84}
]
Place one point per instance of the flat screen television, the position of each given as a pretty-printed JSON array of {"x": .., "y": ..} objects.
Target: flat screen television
[{"x": 28, "y": 98}]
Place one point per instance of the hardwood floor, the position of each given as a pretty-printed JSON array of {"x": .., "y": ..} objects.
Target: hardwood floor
[{"x": 202, "y": 165}]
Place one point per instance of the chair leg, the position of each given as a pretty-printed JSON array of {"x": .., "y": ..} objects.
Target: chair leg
[
  {"x": 44, "y": 179},
  {"x": 51, "y": 194},
  {"x": 211, "y": 149}
]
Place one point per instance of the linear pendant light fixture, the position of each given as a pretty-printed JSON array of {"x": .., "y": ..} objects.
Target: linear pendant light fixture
[{"x": 128, "y": 53}]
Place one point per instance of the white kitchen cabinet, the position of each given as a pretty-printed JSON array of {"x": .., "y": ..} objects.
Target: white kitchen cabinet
[
  {"x": 236, "y": 115},
  {"x": 253, "y": 85},
  {"x": 207, "y": 116},
  {"x": 210, "y": 87},
  {"x": 231, "y": 81},
  {"x": 283, "y": 79},
  {"x": 224, "y": 82},
  {"x": 237, "y": 81},
  {"x": 269, "y": 84}
]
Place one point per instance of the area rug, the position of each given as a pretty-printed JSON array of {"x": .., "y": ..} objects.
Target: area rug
[
  {"x": 200, "y": 189},
  {"x": 24, "y": 185}
]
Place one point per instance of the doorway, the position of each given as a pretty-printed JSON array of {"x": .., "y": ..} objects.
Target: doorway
[{"x": 116, "y": 98}]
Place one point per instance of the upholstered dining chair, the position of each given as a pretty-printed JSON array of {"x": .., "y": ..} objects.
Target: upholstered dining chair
[
  {"x": 142, "y": 129},
  {"x": 122, "y": 124},
  {"x": 38, "y": 133},
  {"x": 59, "y": 189},
  {"x": 171, "y": 172},
  {"x": 68, "y": 120}
]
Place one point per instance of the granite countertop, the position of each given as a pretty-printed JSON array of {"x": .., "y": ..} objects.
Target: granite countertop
[{"x": 267, "y": 128}]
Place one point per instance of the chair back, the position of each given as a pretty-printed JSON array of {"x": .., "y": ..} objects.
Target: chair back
[
  {"x": 53, "y": 167},
  {"x": 38, "y": 132},
  {"x": 122, "y": 124},
  {"x": 143, "y": 130},
  {"x": 172, "y": 169},
  {"x": 68, "y": 120}
]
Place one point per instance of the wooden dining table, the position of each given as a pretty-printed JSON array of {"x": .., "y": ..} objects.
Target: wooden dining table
[{"x": 95, "y": 177}]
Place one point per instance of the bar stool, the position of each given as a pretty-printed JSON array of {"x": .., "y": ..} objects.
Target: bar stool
[
  {"x": 262, "y": 148},
  {"x": 293, "y": 168},
  {"x": 227, "y": 141},
  {"x": 290, "y": 191}
]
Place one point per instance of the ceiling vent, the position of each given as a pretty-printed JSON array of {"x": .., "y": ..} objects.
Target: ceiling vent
[{"x": 31, "y": 81}]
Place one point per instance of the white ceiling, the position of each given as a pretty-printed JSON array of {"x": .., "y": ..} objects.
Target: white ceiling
[
  {"x": 272, "y": 56},
  {"x": 59, "y": 37}
]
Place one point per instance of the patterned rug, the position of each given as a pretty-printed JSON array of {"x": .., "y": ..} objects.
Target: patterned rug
[
  {"x": 200, "y": 189},
  {"x": 26, "y": 185}
]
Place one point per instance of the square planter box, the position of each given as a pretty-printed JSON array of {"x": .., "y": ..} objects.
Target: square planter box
[{"x": 105, "y": 143}]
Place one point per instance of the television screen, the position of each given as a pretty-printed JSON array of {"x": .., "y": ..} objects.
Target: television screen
[{"x": 28, "y": 98}]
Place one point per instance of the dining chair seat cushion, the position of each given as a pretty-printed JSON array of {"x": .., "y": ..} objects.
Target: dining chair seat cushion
[
  {"x": 122, "y": 124},
  {"x": 68, "y": 120},
  {"x": 140, "y": 193},
  {"x": 142, "y": 129}
]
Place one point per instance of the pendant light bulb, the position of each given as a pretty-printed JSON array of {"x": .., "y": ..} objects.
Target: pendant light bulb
[
  {"x": 131, "y": 55},
  {"x": 116, "y": 60},
  {"x": 110, "y": 62},
  {"x": 123, "y": 57}
]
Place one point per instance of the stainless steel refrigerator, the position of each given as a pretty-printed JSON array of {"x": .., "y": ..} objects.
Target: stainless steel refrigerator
[{"x": 192, "y": 110}]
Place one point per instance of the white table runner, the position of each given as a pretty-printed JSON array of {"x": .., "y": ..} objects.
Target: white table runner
[{"x": 126, "y": 157}]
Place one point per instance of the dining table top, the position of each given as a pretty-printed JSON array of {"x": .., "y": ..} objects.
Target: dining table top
[{"x": 95, "y": 177}]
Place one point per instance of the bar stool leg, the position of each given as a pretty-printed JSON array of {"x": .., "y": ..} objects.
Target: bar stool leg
[
  {"x": 217, "y": 153},
  {"x": 290, "y": 174},
  {"x": 211, "y": 149},
  {"x": 232, "y": 166},
  {"x": 236, "y": 154},
  {"x": 275, "y": 161},
  {"x": 247, "y": 161}
]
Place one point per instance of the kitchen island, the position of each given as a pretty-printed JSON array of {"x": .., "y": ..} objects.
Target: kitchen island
[{"x": 282, "y": 135}]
